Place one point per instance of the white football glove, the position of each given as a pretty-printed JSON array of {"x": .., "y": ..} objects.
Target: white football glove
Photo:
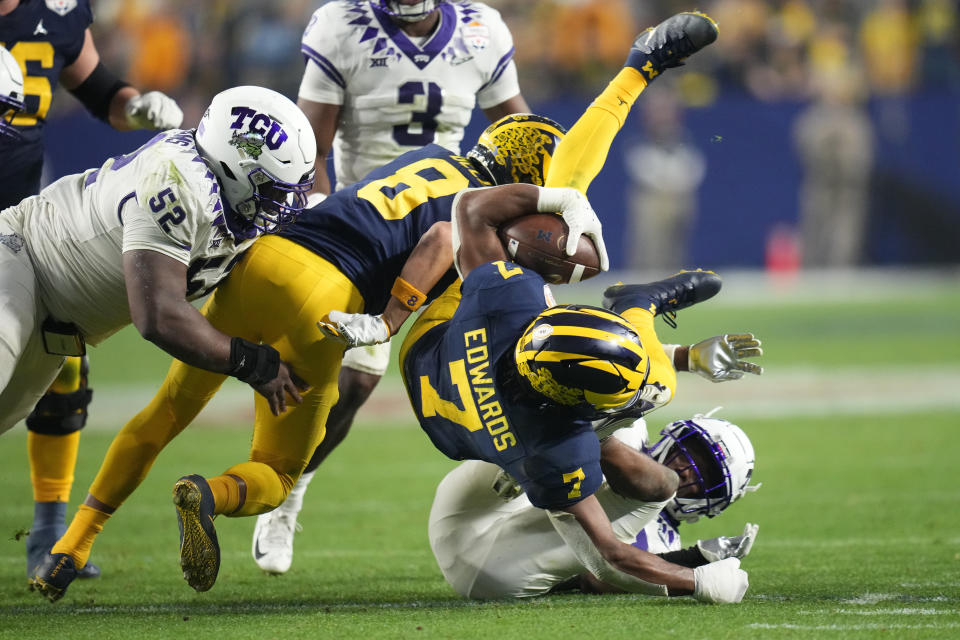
[
  {"x": 580, "y": 217},
  {"x": 354, "y": 329},
  {"x": 716, "y": 549},
  {"x": 153, "y": 110},
  {"x": 722, "y": 582},
  {"x": 720, "y": 358}
]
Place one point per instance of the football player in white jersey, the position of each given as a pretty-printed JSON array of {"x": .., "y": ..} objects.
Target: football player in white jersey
[
  {"x": 492, "y": 543},
  {"x": 383, "y": 77},
  {"x": 141, "y": 236}
]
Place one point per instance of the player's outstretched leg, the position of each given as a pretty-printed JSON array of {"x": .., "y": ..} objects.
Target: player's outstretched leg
[
  {"x": 273, "y": 534},
  {"x": 53, "y": 575},
  {"x": 670, "y": 42},
  {"x": 199, "y": 549},
  {"x": 664, "y": 297}
]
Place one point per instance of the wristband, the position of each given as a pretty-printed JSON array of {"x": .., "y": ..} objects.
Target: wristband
[
  {"x": 252, "y": 363},
  {"x": 408, "y": 295}
]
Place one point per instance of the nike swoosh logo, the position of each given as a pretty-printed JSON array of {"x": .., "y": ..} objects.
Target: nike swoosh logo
[{"x": 256, "y": 550}]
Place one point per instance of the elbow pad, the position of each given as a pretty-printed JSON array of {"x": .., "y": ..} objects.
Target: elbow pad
[{"x": 97, "y": 91}]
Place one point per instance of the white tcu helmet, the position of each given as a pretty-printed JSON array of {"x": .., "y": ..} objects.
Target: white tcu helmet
[
  {"x": 11, "y": 93},
  {"x": 722, "y": 457},
  {"x": 262, "y": 149},
  {"x": 414, "y": 12}
]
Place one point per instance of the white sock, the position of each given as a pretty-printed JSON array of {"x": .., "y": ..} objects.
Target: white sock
[{"x": 294, "y": 501}]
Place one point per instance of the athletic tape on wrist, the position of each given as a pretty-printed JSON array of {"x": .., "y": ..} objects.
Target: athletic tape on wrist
[
  {"x": 411, "y": 297},
  {"x": 252, "y": 363}
]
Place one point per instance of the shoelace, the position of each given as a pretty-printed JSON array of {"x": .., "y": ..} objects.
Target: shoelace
[{"x": 281, "y": 526}]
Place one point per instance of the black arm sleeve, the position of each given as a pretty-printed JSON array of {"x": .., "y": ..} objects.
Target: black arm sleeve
[
  {"x": 98, "y": 90},
  {"x": 689, "y": 557}
]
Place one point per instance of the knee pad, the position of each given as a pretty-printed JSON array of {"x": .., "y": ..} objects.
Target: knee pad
[{"x": 57, "y": 413}]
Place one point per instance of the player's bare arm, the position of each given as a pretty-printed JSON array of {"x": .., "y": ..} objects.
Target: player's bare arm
[
  {"x": 636, "y": 475},
  {"x": 478, "y": 213},
  {"x": 430, "y": 259},
  {"x": 324, "y": 119},
  {"x": 156, "y": 293},
  {"x": 626, "y": 558},
  {"x": 516, "y": 104},
  {"x": 128, "y": 109}
]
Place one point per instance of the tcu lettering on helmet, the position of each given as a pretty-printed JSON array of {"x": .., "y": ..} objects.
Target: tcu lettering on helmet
[
  {"x": 262, "y": 149},
  {"x": 722, "y": 457},
  {"x": 259, "y": 123},
  {"x": 11, "y": 93},
  {"x": 584, "y": 358}
]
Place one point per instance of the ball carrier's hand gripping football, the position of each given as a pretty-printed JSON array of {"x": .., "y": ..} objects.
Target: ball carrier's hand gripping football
[{"x": 580, "y": 217}]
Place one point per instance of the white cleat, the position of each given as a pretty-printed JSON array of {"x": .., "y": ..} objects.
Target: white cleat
[{"x": 273, "y": 540}]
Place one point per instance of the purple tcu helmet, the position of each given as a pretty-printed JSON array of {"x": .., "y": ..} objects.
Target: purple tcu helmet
[
  {"x": 262, "y": 149},
  {"x": 408, "y": 11},
  {"x": 722, "y": 458},
  {"x": 11, "y": 93}
]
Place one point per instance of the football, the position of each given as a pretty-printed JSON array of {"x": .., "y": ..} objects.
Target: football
[{"x": 536, "y": 241}]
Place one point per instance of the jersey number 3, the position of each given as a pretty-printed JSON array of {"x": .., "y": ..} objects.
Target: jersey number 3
[{"x": 427, "y": 119}]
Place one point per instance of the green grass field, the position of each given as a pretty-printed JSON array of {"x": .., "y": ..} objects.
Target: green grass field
[{"x": 856, "y": 424}]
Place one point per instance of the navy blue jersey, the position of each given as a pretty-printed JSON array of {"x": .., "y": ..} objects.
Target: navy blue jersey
[
  {"x": 369, "y": 229},
  {"x": 44, "y": 37},
  {"x": 450, "y": 379}
]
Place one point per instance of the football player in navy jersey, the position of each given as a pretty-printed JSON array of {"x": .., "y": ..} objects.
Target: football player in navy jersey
[
  {"x": 377, "y": 248},
  {"x": 52, "y": 44},
  {"x": 496, "y": 371},
  {"x": 383, "y": 77}
]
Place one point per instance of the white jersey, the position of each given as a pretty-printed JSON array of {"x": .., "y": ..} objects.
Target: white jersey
[
  {"x": 490, "y": 548},
  {"x": 397, "y": 94},
  {"x": 161, "y": 197}
]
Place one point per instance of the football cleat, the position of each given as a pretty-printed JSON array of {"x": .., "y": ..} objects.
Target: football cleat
[
  {"x": 664, "y": 297},
  {"x": 670, "y": 42},
  {"x": 199, "y": 549},
  {"x": 53, "y": 575},
  {"x": 38, "y": 548},
  {"x": 273, "y": 540}
]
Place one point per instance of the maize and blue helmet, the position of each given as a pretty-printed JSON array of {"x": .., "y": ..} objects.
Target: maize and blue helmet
[
  {"x": 11, "y": 93},
  {"x": 517, "y": 148},
  {"x": 583, "y": 358}
]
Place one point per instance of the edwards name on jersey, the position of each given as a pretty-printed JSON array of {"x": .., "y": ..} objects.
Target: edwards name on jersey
[
  {"x": 450, "y": 378},
  {"x": 397, "y": 94}
]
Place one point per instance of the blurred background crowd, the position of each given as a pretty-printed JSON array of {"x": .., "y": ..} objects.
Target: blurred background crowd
[{"x": 817, "y": 133}]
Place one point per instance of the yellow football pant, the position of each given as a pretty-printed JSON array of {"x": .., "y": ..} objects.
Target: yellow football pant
[
  {"x": 275, "y": 295},
  {"x": 662, "y": 372},
  {"x": 582, "y": 152}
]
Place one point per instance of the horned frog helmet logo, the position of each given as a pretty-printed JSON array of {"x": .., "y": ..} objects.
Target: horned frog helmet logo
[{"x": 250, "y": 143}]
